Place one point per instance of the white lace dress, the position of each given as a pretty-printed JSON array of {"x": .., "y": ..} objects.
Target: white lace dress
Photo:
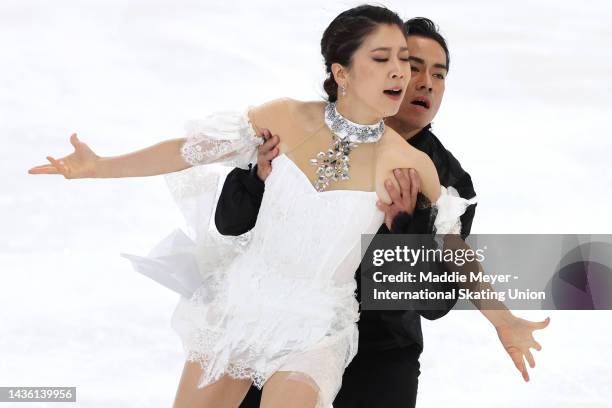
[{"x": 281, "y": 297}]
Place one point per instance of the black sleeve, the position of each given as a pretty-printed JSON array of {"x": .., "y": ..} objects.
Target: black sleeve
[
  {"x": 465, "y": 188},
  {"x": 421, "y": 222},
  {"x": 239, "y": 202}
]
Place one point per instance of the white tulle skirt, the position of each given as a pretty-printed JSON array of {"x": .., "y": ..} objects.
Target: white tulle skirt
[{"x": 237, "y": 319}]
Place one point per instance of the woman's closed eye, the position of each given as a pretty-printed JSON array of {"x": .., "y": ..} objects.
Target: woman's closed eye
[{"x": 387, "y": 59}]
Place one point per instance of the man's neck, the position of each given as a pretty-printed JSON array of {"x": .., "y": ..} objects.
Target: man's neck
[{"x": 403, "y": 129}]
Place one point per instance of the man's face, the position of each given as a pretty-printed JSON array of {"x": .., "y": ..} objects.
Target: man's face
[{"x": 426, "y": 87}]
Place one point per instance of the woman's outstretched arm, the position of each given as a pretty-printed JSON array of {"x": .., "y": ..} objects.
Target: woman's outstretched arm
[{"x": 161, "y": 158}]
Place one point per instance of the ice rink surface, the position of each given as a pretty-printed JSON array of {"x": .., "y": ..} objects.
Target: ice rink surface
[{"x": 526, "y": 111}]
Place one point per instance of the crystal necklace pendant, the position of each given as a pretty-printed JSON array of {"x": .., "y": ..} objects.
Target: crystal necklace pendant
[{"x": 333, "y": 164}]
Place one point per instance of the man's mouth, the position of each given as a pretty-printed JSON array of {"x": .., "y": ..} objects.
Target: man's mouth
[{"x": 421, "y": 101}]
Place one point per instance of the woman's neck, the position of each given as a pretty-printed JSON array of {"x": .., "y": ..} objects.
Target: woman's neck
[{"x": 357, "y": 113}]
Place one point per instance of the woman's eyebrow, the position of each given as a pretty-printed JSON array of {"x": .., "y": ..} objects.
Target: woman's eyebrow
[{"x": 388, "y": 49}]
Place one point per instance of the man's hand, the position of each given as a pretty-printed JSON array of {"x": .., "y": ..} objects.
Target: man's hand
[
  {"x": 265, "y": 153},
  {"x": 403, "y": 200},
  {"x": 517, "y": 338}
]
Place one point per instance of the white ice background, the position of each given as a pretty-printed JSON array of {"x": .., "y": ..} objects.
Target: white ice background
[{"x": 526, "y": 111}]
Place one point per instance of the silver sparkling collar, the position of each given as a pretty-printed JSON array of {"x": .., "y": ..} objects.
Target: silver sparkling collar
[
  {"x": 347, "y": 130},
  {"x": 333, "y": 165}
]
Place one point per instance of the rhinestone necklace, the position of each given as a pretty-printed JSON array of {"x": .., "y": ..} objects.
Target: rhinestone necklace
[{"x": 333, "y": 165}]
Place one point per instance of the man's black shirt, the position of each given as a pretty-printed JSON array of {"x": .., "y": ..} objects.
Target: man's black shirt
[{"x": 241, "y": 198}]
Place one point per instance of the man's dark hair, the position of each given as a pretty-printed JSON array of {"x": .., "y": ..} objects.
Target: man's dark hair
[{"x": 424, "y": 27}]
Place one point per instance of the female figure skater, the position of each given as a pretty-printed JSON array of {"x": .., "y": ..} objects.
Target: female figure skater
[{"x": 280, "y": 312}]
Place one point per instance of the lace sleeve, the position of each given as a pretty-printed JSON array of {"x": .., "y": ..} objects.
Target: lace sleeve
[
  {"x": 449, "y": 207},
  {"x": 226, "y": 138}
]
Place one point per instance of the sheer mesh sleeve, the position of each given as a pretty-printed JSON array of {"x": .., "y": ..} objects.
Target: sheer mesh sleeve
[{"x": 226, "y": 138}]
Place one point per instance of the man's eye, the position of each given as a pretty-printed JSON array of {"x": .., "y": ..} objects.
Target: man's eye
[
  {"x": 439, "y": 76},
  {"x": 414, "y": 69},
  {"x": 381, "y": 59}
]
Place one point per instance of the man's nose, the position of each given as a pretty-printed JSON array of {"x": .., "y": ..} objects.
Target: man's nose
[{"x": 425, "y": 81}]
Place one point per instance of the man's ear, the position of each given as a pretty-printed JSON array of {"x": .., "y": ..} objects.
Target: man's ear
[{"x": 340, "y": 74}]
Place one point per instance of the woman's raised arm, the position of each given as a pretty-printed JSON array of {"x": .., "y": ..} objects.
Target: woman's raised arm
[{"x": 161, "y": 158}]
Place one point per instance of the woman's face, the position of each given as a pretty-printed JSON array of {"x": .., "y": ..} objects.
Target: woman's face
[{"x": 379, "y": 72}]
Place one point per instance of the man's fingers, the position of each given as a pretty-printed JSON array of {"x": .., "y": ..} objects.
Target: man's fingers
[
  {"x": 536, "y": 346},
  {"x": 383, "y": 206},
  {"x": 393, "y": 192},
  {"x": 274, "y": 139},
  {"x": 265, "y": 133},
  {"x": 403, "y": 181},
  {"x": 530, "y": 358},
  {"x": 540, "y": 325},
  {"x": 271, "y": 154},
  {"x": 519, "y": 363},
  {"x": 269, "y": 144},
  {"x": 415, "y": 184}
]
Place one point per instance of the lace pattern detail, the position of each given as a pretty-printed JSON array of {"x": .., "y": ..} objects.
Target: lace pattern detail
[{"x": 225, "y": 137}]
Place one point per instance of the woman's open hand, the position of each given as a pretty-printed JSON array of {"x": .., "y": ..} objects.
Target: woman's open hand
[
  {"x": 79, "y": 164},
  {"x": 517, "y": 338}
]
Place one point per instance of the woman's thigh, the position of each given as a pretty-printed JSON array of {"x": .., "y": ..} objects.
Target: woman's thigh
[
  {"x": 226, "y": 392},
  {"x": 289, "y": 388}
]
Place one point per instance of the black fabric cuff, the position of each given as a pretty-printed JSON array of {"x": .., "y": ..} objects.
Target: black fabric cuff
[
  {"x": 253, "y": 183},
  {"x": 419, "y": 222}
]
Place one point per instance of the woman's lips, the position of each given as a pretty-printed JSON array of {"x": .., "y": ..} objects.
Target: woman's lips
[{"x": 395, "y": 94}]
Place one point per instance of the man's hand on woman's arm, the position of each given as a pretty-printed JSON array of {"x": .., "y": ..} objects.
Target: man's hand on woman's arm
[{"x": 242, "y": 192}]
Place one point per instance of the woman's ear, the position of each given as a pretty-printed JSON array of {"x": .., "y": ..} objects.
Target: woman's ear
[{"x": 340, "y": 74}]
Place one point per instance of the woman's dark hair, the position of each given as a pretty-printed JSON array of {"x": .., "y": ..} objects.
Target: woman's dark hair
[
  {"x": 424, "y": 27},
  {"x": 345, "y": 35}
]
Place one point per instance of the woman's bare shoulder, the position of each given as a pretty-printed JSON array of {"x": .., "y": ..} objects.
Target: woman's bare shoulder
[
  {"x": 261, "y": 115},
  {"x": 286, "y": 109},
  {"x": 393, "y": 143},
  {"x": 308, "y": 115},
  {"x": 395, "y": 152}
]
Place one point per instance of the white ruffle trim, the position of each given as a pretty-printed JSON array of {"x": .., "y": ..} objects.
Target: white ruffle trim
[{"x": 450, "y": 206}]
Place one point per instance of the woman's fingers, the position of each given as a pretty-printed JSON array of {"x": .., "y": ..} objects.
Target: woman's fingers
[
  {"x": 59, "y": 165},
  {"x": 74, "y": 140},
  {"x": 44, "y": 169},
  {"x": 41, "y": 166}
]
